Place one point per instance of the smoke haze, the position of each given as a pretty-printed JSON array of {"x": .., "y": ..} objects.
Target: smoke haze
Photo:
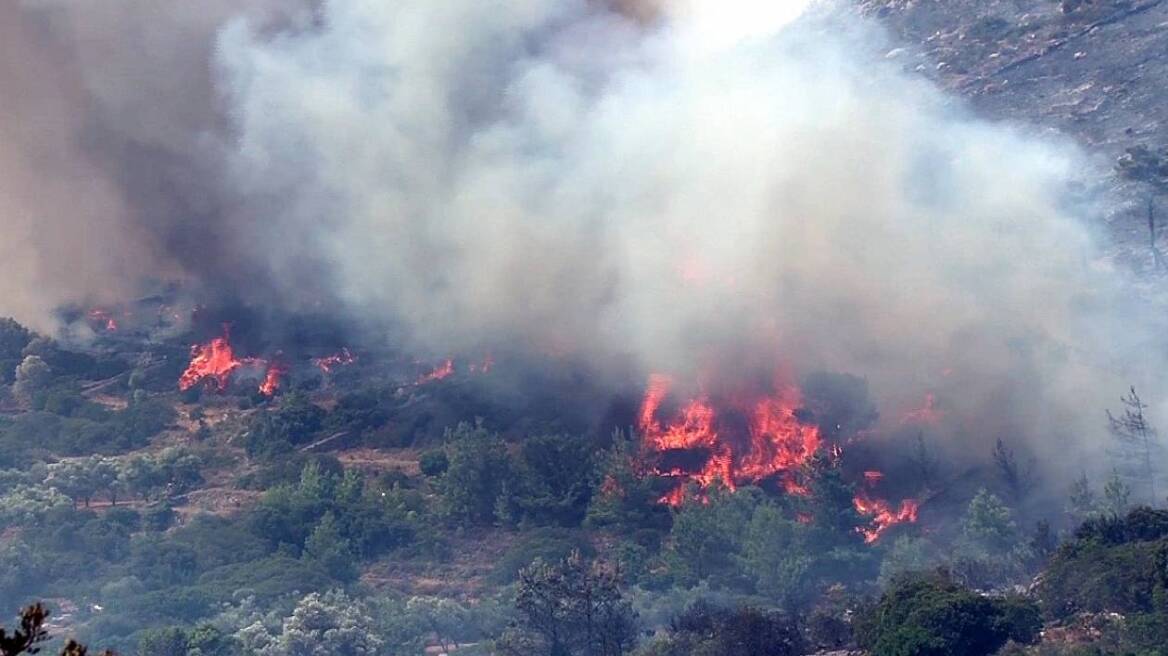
[{"x": 668, "y": 185}]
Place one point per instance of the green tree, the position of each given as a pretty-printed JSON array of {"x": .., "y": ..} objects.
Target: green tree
[
  {"x": 327, "y": 547},
  {"x": 624, "y": 497},
  {"x": 990, "y": 550},
  {"x": 553, "y": 479},
  {"x": 830, "y": 506},
  {"x": 168, "y": 641},
  {"x": 478, "y": 475},
  {"x": 931, "y": 615},
  {"x": 571, "y": 608},
  {"x": 706, "y": 630},
  {"x": 776, "y": 555},
  {"x": 1081, "y": 501},
  {"x": 1137, "y": 446},
  {"x": 706, "y": 538},
  {"x": 321, "y": 625},
  {"x": 433, "y": 462},
  {"x": 1116, "y": 495}
]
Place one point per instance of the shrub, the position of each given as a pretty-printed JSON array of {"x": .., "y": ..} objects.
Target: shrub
[{"x": 931, "y": 615}]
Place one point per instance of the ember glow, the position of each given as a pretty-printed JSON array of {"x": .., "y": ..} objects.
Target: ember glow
[
  {"x": 444, "y": 370},
  {"x": 328, "y": 363},
  {"x": 449, "y": 367},
  {"x": 102, "y": 318}
]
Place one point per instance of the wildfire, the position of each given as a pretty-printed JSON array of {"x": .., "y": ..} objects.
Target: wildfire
[
  {"x": 211, "y": 364},
  {"x": 882, "y": 515},
  {"x": 272, "y": 377},
  {"x": 102, "y": 318},
  {"x": 330, "y": 362},
  {"x": 444, "y": 370},
  {"x": 745, "y": 440},
  {"x": 447, "y": 368}
]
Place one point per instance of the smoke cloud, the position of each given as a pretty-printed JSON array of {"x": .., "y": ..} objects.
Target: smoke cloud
[{"x": 677, "y": 185}]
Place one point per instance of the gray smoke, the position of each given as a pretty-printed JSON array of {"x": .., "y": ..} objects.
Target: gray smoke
[{"x": 678, "y": 185}]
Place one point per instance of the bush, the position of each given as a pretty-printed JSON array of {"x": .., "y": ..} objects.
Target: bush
[
  {"x": 1112, "y": 564},
  {"x": 549, "y": 545},
  {"x": 434, "y": 462},
  {"x": 931, "y": 615}
]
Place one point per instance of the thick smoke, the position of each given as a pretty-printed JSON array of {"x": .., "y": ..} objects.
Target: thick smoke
[
  {"x": 716, "y": 184},
  {"x": 111, "y": 145},
  {"x": 682, "y": 185}
]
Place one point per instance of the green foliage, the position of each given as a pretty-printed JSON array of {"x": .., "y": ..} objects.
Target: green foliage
[
  {"x": 1117, "y": 564},
  {"x": 367, "y": 521},
  {"x": 776, "y": 557},
  {"x": 328, "y": 547},
  {"x": 706, "y": 537},
  {"x": 1081, "y": 501},
  {"x": 320, "y": 625},
  {"x": 553, "y": 483},
  {"x": 479, "y": 474},
  {"x": 833, "y": 517},
  {"x": 32, "y": 376},
  {"x": 13, "y": 338},
  {"x": 624, "y": 499},
  {"x": 1116, "y": 495},
  {"x": 907, "y": 554},
  {"x": 433, "y": 462},
  {"x": 990, "y": 550},
  {"x": 931, "y": 615},
  {"x": 706, "y": 630},
  {"x": 294, "y": 422},
  {"x": 571, "y": 608},
  {"x": 547, "y": 544}
]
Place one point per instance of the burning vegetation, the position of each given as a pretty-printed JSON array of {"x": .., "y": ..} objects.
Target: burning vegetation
[{"x": 738, "y": 436}]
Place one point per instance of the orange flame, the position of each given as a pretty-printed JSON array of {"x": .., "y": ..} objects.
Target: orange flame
[
  {"x": 883, "y": 516},
  {"x": 444, "y": 370},
  {"x": 212, "y": 364},
  {"x": 776, "y": 442},
  {"x": 330, "y": 362},
  {"x": 102, "y": 318},
  {"x": 272, "y": 377}
]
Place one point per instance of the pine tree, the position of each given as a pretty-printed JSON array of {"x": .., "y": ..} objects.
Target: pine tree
[
  {"x": 1138, "y": 447},
  {"x": 1081, "y": 500}
]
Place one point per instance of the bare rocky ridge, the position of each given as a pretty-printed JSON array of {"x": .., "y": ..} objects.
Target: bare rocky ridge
[{"x": 1095, "y": 70}]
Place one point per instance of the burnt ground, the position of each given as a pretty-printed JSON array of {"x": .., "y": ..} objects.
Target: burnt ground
[{"x": 1098, "y": 73}]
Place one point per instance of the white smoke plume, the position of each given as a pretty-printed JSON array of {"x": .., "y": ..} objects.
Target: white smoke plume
[
  {"x": 665, "y": 184},
  {"x": 554, "y": 173}
]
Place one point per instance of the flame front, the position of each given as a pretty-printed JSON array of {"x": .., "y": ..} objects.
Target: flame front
[
  {"x": 883, "y": 516},
  {"x": 272, "y": 378},
  {"x": 748, "y": 438},
  {"x": 444, "y": 370},
  {"x": 776, "y": 442},
  {"x": 212, "y": 364}
]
